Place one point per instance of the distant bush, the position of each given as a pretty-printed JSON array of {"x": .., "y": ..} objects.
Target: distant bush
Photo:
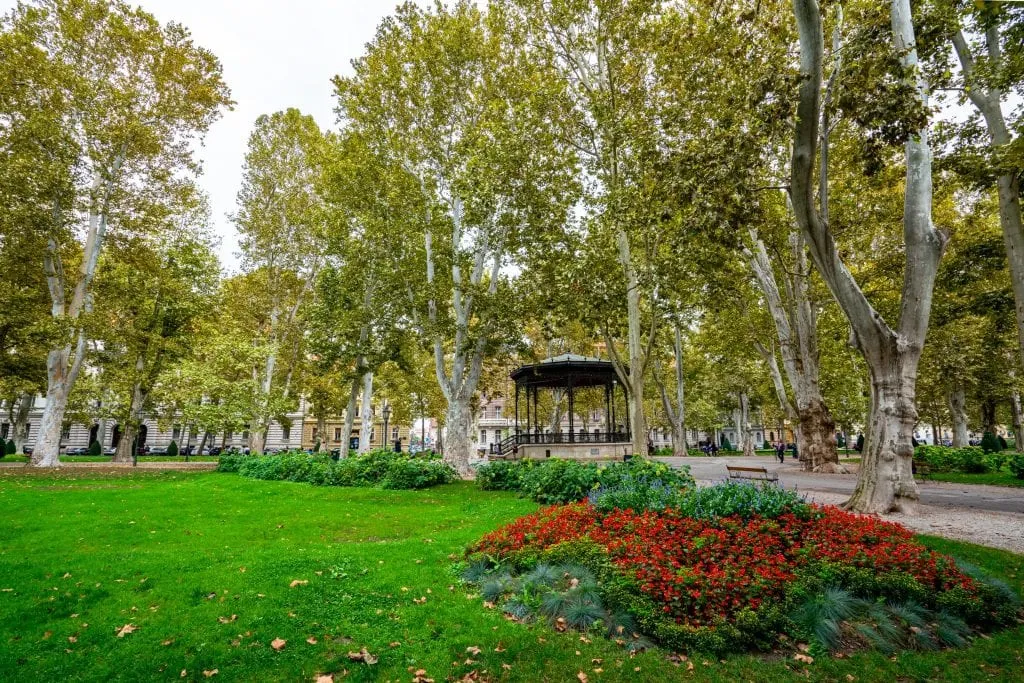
[
  {"x": 745, "y": 500},
  {"x": 1016, "y": 465},
  {"x": 172, "y": 449},
  {"x": 726, "y": 446},
  {"x": 12, "y": 448},
  {"x": 386, "y": 469},
  {"x": 859, "y": 444},
  {"x": 95, "y": 448},
  {"x": 990, "y": 443},
  {"x": 970, "y": 459}
]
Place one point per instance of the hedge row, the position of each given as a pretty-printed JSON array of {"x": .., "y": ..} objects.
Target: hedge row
[
  {"x": 970, "y": 459},
  {"x": 565, "y": 481},
  {"x": 386, "y": 469}
]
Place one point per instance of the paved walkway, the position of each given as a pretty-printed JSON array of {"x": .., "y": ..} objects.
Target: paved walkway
[{"x": 975, "y": 496}]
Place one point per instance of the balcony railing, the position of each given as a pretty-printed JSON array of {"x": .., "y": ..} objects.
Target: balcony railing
[{"x": 524, "y": 439}]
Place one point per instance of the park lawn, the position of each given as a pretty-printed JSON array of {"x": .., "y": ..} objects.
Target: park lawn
[
  {"x": 175, "y": 554},
  {"x": 1001, "y": 478}
]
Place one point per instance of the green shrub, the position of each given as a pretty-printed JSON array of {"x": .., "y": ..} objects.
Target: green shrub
[
  {"x": 501, "y": 475},
  {"x": 417, "y": 474},
  {"x": 726, "y": 446},
  {"x": 230, "y": 462},
  {"x": 12, "y": 448},
  {"x": 1016, "y": 465},
  {"x": 859, "y": 444},
  {"x": 560, "y": 481},
  {"x": 990, "y": 443},
  {"x": 766, "y": 446},
  {"x": 743, "y": 499},
  {"x": 970, "y": 459},
  {"x": 95, "y": 448},
  {"x": 635, "y": 493},
  {"x": 172, "y": 449}
]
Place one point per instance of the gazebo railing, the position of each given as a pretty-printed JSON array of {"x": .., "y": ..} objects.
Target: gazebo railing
[{"x": 524, "y": 439}]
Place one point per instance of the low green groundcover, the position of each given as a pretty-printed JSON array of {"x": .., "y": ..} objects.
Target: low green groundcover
[
  {"x": 734, "y": 567},
  {"x": 386, "y": 469}
]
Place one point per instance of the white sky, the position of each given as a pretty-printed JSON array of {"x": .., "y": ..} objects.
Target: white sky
[{"x": 276, "y": 54}]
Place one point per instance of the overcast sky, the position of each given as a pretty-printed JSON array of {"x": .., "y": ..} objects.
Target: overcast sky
[{"x": 276, "y": 54}]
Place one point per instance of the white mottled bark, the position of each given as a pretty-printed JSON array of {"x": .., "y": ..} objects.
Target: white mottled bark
[
  {"x": 743, "y": 429},
  {"x": 958, "y": 416},
  {"x": 676, "y": 414},
  {"x": 885, "y": 482},
  {"x": 19, "y": 421},
  {"x": 366, "y": 415}
]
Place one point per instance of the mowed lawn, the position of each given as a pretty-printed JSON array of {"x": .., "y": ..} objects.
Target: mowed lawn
[{"x": 202, "y": 565}]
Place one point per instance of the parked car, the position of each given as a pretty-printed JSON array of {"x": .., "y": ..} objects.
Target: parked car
[
  {"x": 159, "y": 450},
  {"x": 109, "y": 451},
  {"x": 77, "y": 451},
  {"x": 215, "y": 450}
]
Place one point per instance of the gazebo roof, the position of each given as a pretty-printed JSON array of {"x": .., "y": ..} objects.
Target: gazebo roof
[{"x": 565, "y": 370}]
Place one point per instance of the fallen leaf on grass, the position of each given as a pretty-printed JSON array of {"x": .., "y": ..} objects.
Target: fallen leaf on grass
[
  {"x": 167, "y": 642},
  {"x": 421, "y": 677},
  {"x": 298, "y": 582},
  {"x": 241, "y": 569},
  {"x": 227, "y": 620},
  {"x": 311, "y": 640},
  {"x": 74, "y": 616},
  {"x": 324, "y": 678},
  {"x": 46, "y": 635},
  {"x": 184, "y": 673},
  {"x": 126, "y": 629},
  {"x": 278, "y": 644},
  {"x": 394, "y": 644},
  {"x": 420, "y": 601},
  {"x": 488, "y": 604},
  {"x": 211, "y": 673},
  {"x": 499, "y": 648},
  {"x": 806, "y": 659},
  {"x": 582, "y": 676},
  {"x": 473, "y": 650},
  {"x": 506, "y": 667},
  {"x": 362, "y": 656}
]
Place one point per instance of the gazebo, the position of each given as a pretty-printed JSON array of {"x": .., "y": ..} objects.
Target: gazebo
[{"x": 568, "y": 372}]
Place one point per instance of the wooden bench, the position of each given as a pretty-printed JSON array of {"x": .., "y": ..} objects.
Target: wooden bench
[
  {"x": 920, "y": 468},
  {"x": 758, "y": 473}
]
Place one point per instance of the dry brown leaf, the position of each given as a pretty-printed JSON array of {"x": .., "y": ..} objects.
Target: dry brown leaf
[
  {"x": 582, "y": 676},
  {"x": 47, "y": 634},
  {"x": 126, "y": 629},
  {"x": 598, "y": 670},
  {"x": 278, "y": 644},
  {"x": 420, "y": 676},
  {"x": 488, "y": 604},
  {"x": 506, "y": 667},
  {"x": 420, "y": 601},
  {"x": 473, "y": 650},
  {"x": 324, "y": 678},
  {"x": 394, "y": 644},
  {"x": 311, "y": 640},
  {"x": 167, "y": 642},
  {"x": 298, "y": 582},
  {"x": 689, "y": 666},
  {"x": 362, "y": 656},
  {"x": 227, "y": 620},
  {"x": 72, "y": 639},
  {"x": 850, "y": 677},
  {"x": 74, "y": 616},
  {"x": 499, "y": 648},
  {"x": 184, "y": 673},
  {"x": 806, "y": 659},
  {"x": 211, "y": 673}
]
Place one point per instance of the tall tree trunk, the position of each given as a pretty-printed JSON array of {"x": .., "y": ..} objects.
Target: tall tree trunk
[
  {"x": 47, "y": 449},
  {"x": 126, "y": 446},
  {"x": 988, "y": 100},
  {"x": 350, "y": 415},
  {"x": 457, "y": 448},
  {"x": 746, "y": 438},
  {"x": 676, "y": 414},
  {"x": 124, "y": 450},
  {"x": 988, "y": 415},
  {"x": 366, "y": 414},
  {"x": 936, "y": 434},
  {"x": 1018, "y": 419},
  {"x": 19, "y": 420},
  {"x": 634, "y": 379},
  {"x": 202, "y": 442},
  {"x": 885, "y": 481},
  {"x": 958, "y": 416}
]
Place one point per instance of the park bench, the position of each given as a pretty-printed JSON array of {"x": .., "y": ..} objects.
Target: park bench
[
  {"x": 920, "y": 468},
  {"x": 758, "y": 473}
]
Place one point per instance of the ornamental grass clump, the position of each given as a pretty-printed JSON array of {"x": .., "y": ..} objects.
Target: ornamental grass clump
[{"x": 734, "y": 566}]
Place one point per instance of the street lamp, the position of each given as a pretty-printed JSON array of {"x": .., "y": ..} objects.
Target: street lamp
[{"x": 386, "y": 414}]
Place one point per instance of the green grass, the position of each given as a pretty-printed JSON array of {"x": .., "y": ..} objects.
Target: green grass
[
  {"x": 84, "y": 553},
  {"x": 1001, "y": 478}
]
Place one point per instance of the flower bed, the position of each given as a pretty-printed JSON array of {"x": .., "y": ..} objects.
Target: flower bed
[{"x": 737, "y": 581}]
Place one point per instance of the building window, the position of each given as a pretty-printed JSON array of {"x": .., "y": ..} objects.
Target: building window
[
  {"x": 245, "y": 434},
  {"x": 315, "y": 432},
  {"x": 65, "y": 432},
  {"x": 175, "y": 432},
  {"x": 286, "y": 433},
  {"x": 337, "y": 433},
  {"x": 483, "y": 436},
  {"x": 497, "y": 412},
  {"x": 4, "y": 429},
  {"x": 394, "y": 433}
]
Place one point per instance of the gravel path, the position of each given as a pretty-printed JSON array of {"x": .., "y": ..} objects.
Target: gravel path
[{"x": 987, "y": 515}]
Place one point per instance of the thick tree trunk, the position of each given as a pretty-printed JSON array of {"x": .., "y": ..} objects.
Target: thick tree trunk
[
  {"x": 988, "y": 415},
  {"x": 47, "y": 449},
  {"x": 321, "y": 428},
  {"x": 126, "y": 446},
  {"x": 457, "y": 447},
  {"x": 936, "y": 434},
  {"x": 257, "y": 439},
  {"x": 19, "y": 421},
  {"x": 888, "y": 454},
  {"x": 818, "y": 431},
  {"x": 202, "y": 442},
  {"x": 366, "y": 415},
  {"x": 958, "y": 416}
]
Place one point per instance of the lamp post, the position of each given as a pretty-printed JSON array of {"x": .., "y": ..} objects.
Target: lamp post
[{"x": 386, "y": 414}]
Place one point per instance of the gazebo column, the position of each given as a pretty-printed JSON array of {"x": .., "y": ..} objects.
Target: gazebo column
[
  {"x": 625, "y": 398},
  {"x": 607, "y": 410},
  {"x": 572, "y": 430},
  {"x": 516, "y": 428},
  {"x": 536, "y": 416}
]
